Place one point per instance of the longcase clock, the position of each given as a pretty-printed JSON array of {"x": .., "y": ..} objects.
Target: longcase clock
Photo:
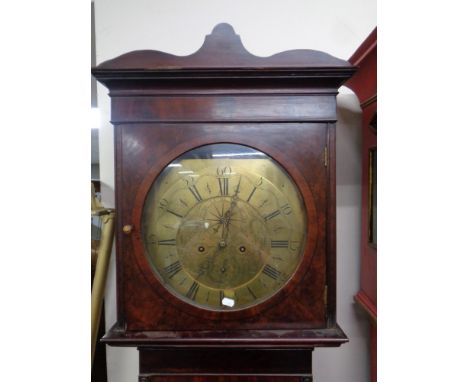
[{"x": 225, "y": 199}]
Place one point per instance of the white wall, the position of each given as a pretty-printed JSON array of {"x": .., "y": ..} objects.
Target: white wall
[{"x": 266, "y": 27}]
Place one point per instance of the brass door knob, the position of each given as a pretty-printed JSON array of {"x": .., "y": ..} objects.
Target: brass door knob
[{"x": 127, "y": 229}]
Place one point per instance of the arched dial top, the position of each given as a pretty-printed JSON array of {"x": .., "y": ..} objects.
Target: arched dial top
[{"x": 224, "y": 227}]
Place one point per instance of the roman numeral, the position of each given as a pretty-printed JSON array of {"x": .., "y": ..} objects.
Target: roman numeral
[
  {"x": 174, "y": 213},
  {"x": 271, "y": 272},
  {"x": 272, "y": 215},
  {"x": 252, "y": 293},
  {"x": 279, "y": 243},
  {"x": 173, "y": 269},
  {"x": 223, "y": 186},
  {"x": 167, "y": 242},
  {"x": 251, "y": 194},
  {"x": 195, "y": 193},
  {"x": 192, "y": 292},
  {"x": 238, "y": 187}
]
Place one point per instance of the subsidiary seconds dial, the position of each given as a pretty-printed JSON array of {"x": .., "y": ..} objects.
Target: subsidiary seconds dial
[{"x": 224, "y": 227}]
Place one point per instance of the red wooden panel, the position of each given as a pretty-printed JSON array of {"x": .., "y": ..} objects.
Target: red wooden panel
[{"x": 364, "y": 84}]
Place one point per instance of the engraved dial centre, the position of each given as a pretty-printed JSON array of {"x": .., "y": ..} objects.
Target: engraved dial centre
[{"x": 222, "y": 226}]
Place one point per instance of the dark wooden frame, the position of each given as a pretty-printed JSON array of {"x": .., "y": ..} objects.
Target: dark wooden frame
[
  {"x": 285, "y": 105},
  {"x": 216, "y": 316}
]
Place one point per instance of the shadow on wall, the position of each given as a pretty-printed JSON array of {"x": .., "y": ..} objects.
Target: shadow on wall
[{"x": 348, "y": 138}]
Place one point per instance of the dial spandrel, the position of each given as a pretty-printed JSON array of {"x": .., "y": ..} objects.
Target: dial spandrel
[{"x": 224, "y": 227}]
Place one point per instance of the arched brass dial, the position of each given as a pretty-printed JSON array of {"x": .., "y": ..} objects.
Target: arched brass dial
[{"x": 224, "y": 227}]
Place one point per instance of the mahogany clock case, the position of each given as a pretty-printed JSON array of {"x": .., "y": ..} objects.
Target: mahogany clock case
[
  {"x": 304, "y": 305},
  {"x": 283, "y": 105}
]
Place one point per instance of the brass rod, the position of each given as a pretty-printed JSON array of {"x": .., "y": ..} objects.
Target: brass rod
[{"x": 100, "y": 276}]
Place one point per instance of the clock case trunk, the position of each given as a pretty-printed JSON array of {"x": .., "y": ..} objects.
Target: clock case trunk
[{"x": 285, "y": 105}]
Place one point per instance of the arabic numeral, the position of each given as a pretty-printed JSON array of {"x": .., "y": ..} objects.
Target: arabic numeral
[
  {"x": 223, "y": 171},
  {"x": 286, "y": 209},
  {"x": 163, "y": 204},
  {"x": 294, "y": 245}
]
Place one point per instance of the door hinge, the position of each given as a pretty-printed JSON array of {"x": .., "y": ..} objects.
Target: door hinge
[{"x": 325, "y": 156}]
